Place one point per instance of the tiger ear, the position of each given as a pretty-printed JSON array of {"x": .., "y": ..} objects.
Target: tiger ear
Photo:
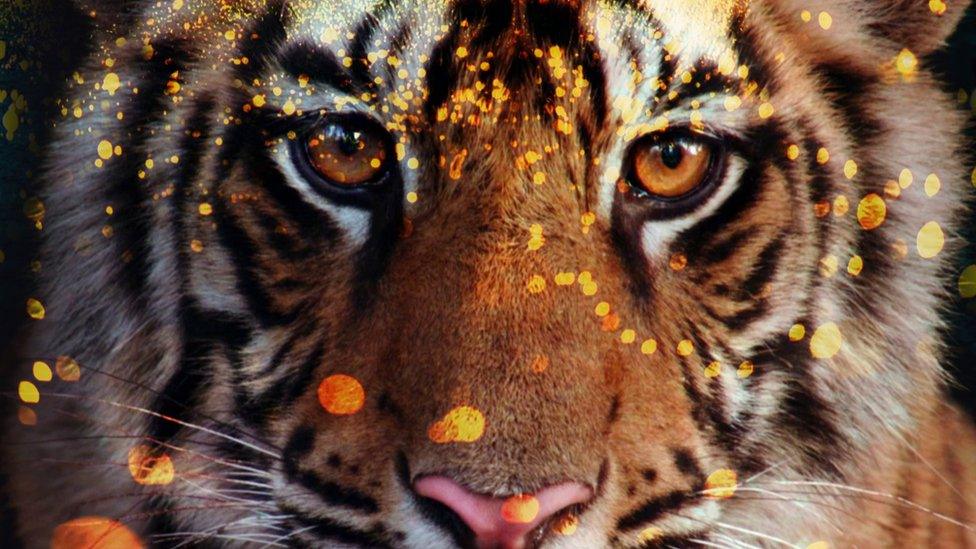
[{"x": 922, "y": 26}]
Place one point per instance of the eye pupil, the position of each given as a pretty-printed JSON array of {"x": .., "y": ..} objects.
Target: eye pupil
[{"x": 672, "y": 155}]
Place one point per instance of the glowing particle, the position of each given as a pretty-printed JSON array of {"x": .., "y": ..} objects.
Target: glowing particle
[
  {"x": 42, "y": 372},
  {"x": 536, "y": 284},
  {"x": 793, "y": 152},
  {"x": 565, "y": 278},
  {"x": 229, "y": 35},
  {"x": 806, "y": 16},
  {"x": 871, "y": 212},
  {"x": 906, "y": 63},
  {"x": 567, "y": 525},
  {"x": 602, "y": 309},
  {"x": 685, "y": 347},
  {"x": 855, "y": 265},
  {"x": 196, "y": 245},
  {"x": 341, "y": 395},
  {"x": 826, "y": 341},
  {"x": 589, "y": 289},
  {"x": 841, "y": 206},
  {"x": 721, "y": 484},
  {"x": 461, "y": 52},
  {"x": 905, "y": 178},
  {"x": 850, "y": 169},
  {"x": 932, "y": 185},
  {"x": 713, "y": 370},
  {"x": 177, "y": 4},
  {"x": 967, "y": 282},
  {"x": 26, "y": 416},
  {"x": 28, "y": 392},
  {"x": 588, "y": 219},
  {"x": 649, "y": 535},
  {"x": 536, "y": 238},
  {"x": 678, "y": 261},
  {"x": 539, "y": 178},
  {"x": 930, "y": 240},
  {"x": 797, "y": 331},
  {"x": 766, "y": 110},
  {"x": 732, "y": 103},
  {"x": 649, "y": 346},
  {"x": 539, "y": 364},
  {"x": 461, "y": 424},
  {"x": 67, "y": 369},
  {"x": 532, "y": 157},
  {"x": 111, "y": 83},
  {"x": 628, "y": 336},
  {"x": 205, "y": 208},
  {"x": 412, "y": 197},
  {"x": 610, "y": 322},
  {"x": 258, "y": 100},
  {"x": 413, "y": 163},
  {"x": 35, "y": 309},
  {"x": 11, "y": 121},
  {"x": 520, "y": 509},
  {"x": 823, "y": 155},
  {"x": 150, "y": 467},
  {"x": 105, "y": 149},
  {"x": 745, "y": 369},
  {"x": 937, "y": 7},
  {"x": 94, "y": 533},
  {"x": 288, "y": 108},
  {"x": 825, "y": 20}
]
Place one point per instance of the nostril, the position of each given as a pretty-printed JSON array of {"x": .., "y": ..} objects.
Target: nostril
[{"x": 502, "y": 522}]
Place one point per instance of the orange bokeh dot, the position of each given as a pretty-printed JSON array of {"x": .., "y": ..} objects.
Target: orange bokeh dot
[
  {"x": 150, "y": 467},
  {"x": 94, "y": 533},
  {"x": 520, "y": 509},
  {"x": 341, "y": 395}
]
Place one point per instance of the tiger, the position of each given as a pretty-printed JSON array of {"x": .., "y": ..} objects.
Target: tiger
[{"x": 498, "y": 274}]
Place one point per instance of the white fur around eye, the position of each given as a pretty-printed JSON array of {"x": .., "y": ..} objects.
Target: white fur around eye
[{"x": 353, "y": 222}]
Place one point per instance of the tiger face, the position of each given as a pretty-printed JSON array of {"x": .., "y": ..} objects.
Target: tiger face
[{"x": 489, "y": 273}]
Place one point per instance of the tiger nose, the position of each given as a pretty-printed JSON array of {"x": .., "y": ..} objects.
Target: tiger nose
[{"x": 502, "y": 523}]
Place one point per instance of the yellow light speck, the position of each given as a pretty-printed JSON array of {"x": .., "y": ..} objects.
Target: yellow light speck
[
  {"x": 967, "y": 282},
  {"x": 732, "y": 103},
  {"x": 685, "y": 347},
  {"x": 230, "y": 34},
  {"x": 797, "y": 332},
  {"x": 602, "y": 309},
  {"x": 28, "y": 392},
  {"x": 628, "y": 336},
  {"x": 855, "y": 265},
  {"x": 825, "y": 20},
  {"x": 823, "y": 155},
  {"x": 826, "y": 341},
  {"x": 649, "y": 535},
  {"x": 461, "y": 52},
  {"x": 35, "y": 309},
  {"x": 413, "y": 163},
  {"x": 205, "y": 208},
  {"x": 536, "y": 284},
  {"x": 539, "y": 178},
  {"x": 930, "y": 240},
  {"x": 745, "y": 369},
  {"x": 793, "y": 152},
  {"x": 713, "y": 370},
  {"x": 932, "y": 185},
  {"x": 721, "y": 484},
  {"x": 42, "y": 372},
  {"x": 937, "y": 7},
  {"x": 589, "y": 288},
  {"x": 906, "y": 63},
  {"x": 196, "y": 245},
  {"x": 412, "y": 197},
  {"x": 105, "y": 149},
  {"x": 565, "y": 278},
  {"x": 111, "y": 83},
  {"x": 850, "y": 169},
  {"x": 461, "y": 424},
  {"x": 905, "y": 178},
  {"x": 871, "y": 211},
  {"x": 766, "y": 110},
  {"x": 258, "y": 100}
]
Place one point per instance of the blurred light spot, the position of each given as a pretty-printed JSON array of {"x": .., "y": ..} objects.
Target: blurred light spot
[
  {"x": 602, "y": 309},
  {"x": 905, "y": 178},
  {"x": 793, "y": 152},
  {"x": 721, "y": 484},
  {"x": 28, "y": 392},
  {"x": 150, "y": 467},
  {"x": 850, "y": 169},
  {"x": 42, "y": 372},
  {"x": 937, "y": 7},
  {"x": 567, "y": 525},
  {"x": 540, "y": 363},
  {"x": 341, "y": 395},
  {"x": 67, "y": 369},
  {"x": 536, "y": 238},
  {"x": 649, "y": 346},
  {"x": 35, "y": 309},
  {"x": 797, "y": 331},
  {"x": 871, "y": 211},
  {"x": 825, "y": 20},
  {"x": 826, "y": 341},
  {"x": 967, "y": 282},
  {"x": 714, "y": 369},
  {"x": 823, "y": 155},
  {"x": 26, "y": 416},
  {"x": 649, "y": 535},
  {"x": 628, "y": 336},
  {"x": 685, "y": 347},
  {"x": 536, "y": 284},
  {"x": 930, "y": 240},
  {"x": 745, "y": 369},
  {"x": 855, "y": 265},
  {"x": 520, "y": 509},
  {"x": 766, "y": 110},
  {"x": 932, "y": 185},
  {"x": 461, "y": 424},
  {"x": 412, "y": 197},
  {"x": 111, "y": 83},
  {"x": 94, "y": 533},
  {"x": 205, "y": 208},
  {"x": 565, "y": 279},
  {"x": 105, "y": 149},
  {"x": 678, "y": 261},
  {"x": 906, "y": 63}
]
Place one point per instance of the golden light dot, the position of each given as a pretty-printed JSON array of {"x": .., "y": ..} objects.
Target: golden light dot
[
  {"x": 628, "y": 336},
  {"x": 732, "y": 103},
  {"x": 930, "y": 240},
  {"x": 602, "y": 309},
  {"x": 649, "y": 346},
  {"x": 685, "y": 347},
  {"x": 841, "y": 206},
  {"x": 536, "y": 284},
  {"x": 721, "y": 484},
  {"x": 850, "y": 169},
  {"x": 855, "y": 265},
  {"x": 932, "y": 185},
  {"x": 41, "y": 371},
  {"x": 258, "y": 100},
  {"x": 67, "y": 369},
  {"x": 967, "y": 282},
  {"x": 196, "y": 245},
  {"x": 229, "y": 34},
  {"x": 797, "y": 331},
  {"x": 111, "y": 83},
  {"x": 565, "y": 278},
  {"x": 588, "y": 219},
  {"x": 823, "y": 155},
  {"x": 412, "y": 197},
  {"x": 105, "y": 149},
  {"x": 649, "y": 534},
  {"x": 793, "y": 152},
  {"x": 825, "y": 20},
  {"x": 589, "y": 289},
  {"x": 713, "y": 370},
  {"x": 413, "y": 163},
  {"x": 94, "y": 533},
  {"x": 905, "y": 178},
  {"x": 906, "y": 63},
  {"x": 28, "y": 392},
  {"x": 766, "y": 110},
  {"x": 937, "y": 7},
  {"x": 520, "y": 509},
  {"x": 341, "y": 394},
  {"x": 461, "y": 424},
  {"x": 205, "y": 208},
  {"x": 35, "y": 309},
  {"x": 826, "y": 341},
  {"x": 806, "y": 16},
  {"x": 289, "y": 108},
  {"x": 539, "y": 178},
  {"x": 745, "y": 369},
  {"x": 678, "y": 261},
  {"x": 828, "y": 266},
  {"x": 567, "y": 525},
  {"x": 461, "y": 52},
  {"x": 150, "y": 467},
  {"x": 871, "y": 212},
  {"x": 539, "y": 364}
]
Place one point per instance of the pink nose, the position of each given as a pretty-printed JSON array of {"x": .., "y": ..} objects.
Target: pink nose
[{"x": 502, "y": 523}]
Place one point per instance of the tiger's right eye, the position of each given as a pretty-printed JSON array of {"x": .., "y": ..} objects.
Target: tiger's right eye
[{"x": 349, "y": 152}]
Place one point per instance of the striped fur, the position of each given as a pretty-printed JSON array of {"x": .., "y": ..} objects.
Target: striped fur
[{"x": 228, "y": 287}]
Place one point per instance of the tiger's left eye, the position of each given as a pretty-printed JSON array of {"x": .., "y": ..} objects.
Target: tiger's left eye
[
  {"x": 670, "y": 168},
  {"x": 348, "y": 152}
]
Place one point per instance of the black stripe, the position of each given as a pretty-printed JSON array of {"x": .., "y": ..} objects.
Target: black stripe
[
  {"x": 262, "y": 41},
  {"x": 331, "y": 530},
  {"x": 654, "y": 509},
  {"x": 320, "y": 65},
  {"x": 289, "y": 386}
]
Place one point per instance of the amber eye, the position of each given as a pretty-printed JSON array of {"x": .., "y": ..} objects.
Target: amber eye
[
  {"x": 670, "y": 168},
  {"x": 349, "y": 152}
]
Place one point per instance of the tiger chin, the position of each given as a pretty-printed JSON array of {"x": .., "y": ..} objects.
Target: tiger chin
[{"x": 499, "y": 274}]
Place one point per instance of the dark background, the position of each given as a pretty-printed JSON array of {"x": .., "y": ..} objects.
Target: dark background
[{"x": 43, "y": 40}]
